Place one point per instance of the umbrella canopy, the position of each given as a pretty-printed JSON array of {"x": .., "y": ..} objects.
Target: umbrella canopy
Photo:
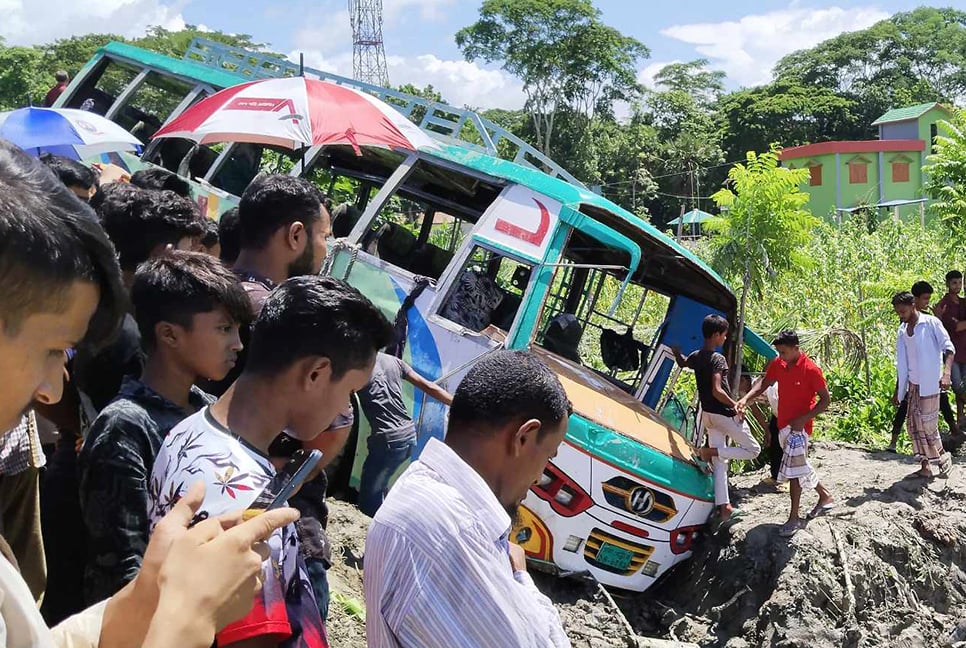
[
  {"x": 296, "y": 112},
  {"x": 693, "y": 217},
  {"x": 72, "y": 133}
]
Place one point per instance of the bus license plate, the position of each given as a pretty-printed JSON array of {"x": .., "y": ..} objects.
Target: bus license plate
[{"x": 614, "y": 556}]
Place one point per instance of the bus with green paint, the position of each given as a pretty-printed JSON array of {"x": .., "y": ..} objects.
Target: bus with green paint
[{"x": 479, "y": 243}]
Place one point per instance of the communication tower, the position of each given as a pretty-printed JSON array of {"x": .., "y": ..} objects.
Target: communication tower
[{"x": 368, "y": 53}]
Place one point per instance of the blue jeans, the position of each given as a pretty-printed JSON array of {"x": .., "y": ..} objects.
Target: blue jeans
[{"x": 383, "y": 460}]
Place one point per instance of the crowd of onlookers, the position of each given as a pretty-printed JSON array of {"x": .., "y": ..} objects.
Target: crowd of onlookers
[{"x": 161, "y": 368}]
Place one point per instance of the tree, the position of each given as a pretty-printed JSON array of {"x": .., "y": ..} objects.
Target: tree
[
  {"x": 688, "y": 138},
  {"x": 692, "y": 78},
  {"x": 565, "y": 56},
  {"x": 22, "y": 80},
  {"x": 764, "y": 229},
  {"x": 945, "y": 172},
  {"x": 789, "y": 113},
  {"x": 912, "y": 57}
]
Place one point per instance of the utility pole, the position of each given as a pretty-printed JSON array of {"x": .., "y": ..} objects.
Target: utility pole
[{"x": 368, "y": 53}]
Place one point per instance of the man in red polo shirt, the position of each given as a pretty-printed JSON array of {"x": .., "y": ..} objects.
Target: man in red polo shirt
[{"x": 804, "y": 396}]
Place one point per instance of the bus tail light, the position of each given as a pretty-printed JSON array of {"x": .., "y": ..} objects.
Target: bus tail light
[
  {"x": 682, "y": 540},
  {"x": 563, "y": 494}
]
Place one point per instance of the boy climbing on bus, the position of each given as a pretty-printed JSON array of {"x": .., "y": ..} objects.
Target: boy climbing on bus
[{"x": 720, "y": 417}]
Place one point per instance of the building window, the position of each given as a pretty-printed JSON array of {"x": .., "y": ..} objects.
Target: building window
[
  {"x": 900, "y": 172},
  {"x": 858, "y": 173},
  {"x": 815, "y": 176}
]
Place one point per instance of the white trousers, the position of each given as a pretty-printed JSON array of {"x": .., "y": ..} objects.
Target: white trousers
[{"x": 721, "y": 428}]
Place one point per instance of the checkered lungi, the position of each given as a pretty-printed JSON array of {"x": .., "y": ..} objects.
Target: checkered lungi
[
  {"x": 923, "y": 424},
  {"x": 795, "y": 464}
]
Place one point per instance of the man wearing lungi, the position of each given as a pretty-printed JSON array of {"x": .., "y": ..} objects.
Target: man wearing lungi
[
  {"x": 921, "y": 341},
  {"x": 804, "y": 395}
]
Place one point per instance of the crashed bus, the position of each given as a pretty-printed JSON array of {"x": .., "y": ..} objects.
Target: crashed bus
[{"x": 470, "y": 252}]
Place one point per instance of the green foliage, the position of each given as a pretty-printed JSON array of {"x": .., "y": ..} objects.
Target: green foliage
[
  {"x": 21, "y": 78},
  {"x": 765, "y": 223},
  {"x": 563, "y": 53},
  {"x": 946, "y": 175}
]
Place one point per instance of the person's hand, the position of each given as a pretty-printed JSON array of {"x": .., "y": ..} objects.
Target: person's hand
[
  {"x": 946, "y": 381},
  {"x": 895, "y": 400},
  {"x": 111, "y": 173},
  {"x": 213, "y": 568},
  {"x": 740, "y": 406},
  {"x": 518, "y": 558},
  {"x": 676, "y": 350}
]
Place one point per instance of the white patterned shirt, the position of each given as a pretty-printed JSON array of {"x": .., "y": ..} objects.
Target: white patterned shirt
[{"x": 437, "y": 571}]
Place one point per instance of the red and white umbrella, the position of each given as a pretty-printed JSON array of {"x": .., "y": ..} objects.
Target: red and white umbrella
[{"x": 296, "y": 112}]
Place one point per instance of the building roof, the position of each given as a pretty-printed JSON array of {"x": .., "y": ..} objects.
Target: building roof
[
  {"x": 851, "y": 147},
  {"x": 907, "y": 112}
]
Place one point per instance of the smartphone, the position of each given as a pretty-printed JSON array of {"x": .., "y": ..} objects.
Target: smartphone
[
  {"x": 280, "y": 487},
  {"x": 285, "y": 482}
]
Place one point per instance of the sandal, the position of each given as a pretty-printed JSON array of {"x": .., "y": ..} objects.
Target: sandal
[
  {"x": 789, "y": 529},
  {"x": 892, "y": 449},
  {"x": 821, "y": 509},
  {"x": 919, "y": 475}
]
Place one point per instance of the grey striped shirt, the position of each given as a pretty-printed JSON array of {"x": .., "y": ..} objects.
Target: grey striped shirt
[{"x": 437, "y": 573}]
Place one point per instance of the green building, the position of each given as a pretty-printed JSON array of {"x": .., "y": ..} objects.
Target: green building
[{"x": 885, "y": 173}]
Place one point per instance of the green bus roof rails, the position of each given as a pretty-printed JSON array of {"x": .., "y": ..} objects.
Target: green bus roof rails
[{"x": 444, "y": 122}]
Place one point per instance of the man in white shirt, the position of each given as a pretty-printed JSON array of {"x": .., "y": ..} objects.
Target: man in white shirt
[
  {"x": 921, "y": 341},
  {"x": 439, "y": 568}
]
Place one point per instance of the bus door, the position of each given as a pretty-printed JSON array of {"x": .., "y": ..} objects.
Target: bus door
[{"x": 681, "y": 328}]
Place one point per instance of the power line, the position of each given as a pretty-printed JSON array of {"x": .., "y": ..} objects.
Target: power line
[{"x": 669, "y": 175}]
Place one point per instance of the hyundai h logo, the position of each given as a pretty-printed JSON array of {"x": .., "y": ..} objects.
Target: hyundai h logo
[{"x": 640, "y": 500}]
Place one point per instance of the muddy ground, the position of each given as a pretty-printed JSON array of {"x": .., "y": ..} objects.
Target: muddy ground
[{"x": 885, "y": 568}]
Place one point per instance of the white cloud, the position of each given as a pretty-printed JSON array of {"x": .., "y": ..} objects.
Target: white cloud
[
  {"x": 459, "y": 82},
  {"x": 31, "y": 22},
  {"x": 748, "y": 48}
]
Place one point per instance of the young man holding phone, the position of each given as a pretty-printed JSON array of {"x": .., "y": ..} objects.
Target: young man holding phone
[
  {"x": 62, "y": 285},
  {"x": 313, "y": 344}
]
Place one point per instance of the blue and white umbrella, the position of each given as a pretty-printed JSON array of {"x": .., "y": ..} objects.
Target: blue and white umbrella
[{"x": 76, "y": 134}]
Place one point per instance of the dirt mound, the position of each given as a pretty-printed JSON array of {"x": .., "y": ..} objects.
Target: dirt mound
[{"x": 884, "y": 568}]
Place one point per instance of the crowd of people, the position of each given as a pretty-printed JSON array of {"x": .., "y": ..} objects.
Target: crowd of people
[{"x": 162, "y": 370}]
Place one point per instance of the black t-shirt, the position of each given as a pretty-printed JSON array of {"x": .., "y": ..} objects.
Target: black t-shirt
[
  {"x": 705, "y": 365},
  {"x": 99, "y": 376}
]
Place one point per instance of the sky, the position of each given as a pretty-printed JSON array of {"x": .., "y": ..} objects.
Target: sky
[{"x": 743, "y": 38}]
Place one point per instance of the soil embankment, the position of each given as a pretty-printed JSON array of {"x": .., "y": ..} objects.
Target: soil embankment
[{"x": 885, "y": 568}]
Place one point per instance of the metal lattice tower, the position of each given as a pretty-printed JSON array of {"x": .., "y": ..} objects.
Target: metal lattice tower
[{"x": 368, "y": 53}]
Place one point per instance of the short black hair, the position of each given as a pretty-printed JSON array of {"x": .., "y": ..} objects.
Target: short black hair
[
  {"x": 71, "y": 172},
  {"x": 713, "y": 324},
  {"x": 161, "y": 179},
  {"x": 316, "y": 316},
  {"x": 507, "y": 387},
  {"x": 209, "y": 238},
  {"x": 275, "y": 201},
  {"x": 229, "y": 235},
  {"x": 48, "y": 240},
  {"x": 953, "y": 274},
  {"x": 788, "y": 337},
  {"x": 178, "y": 285},
  {"x": 61, "y": 76},
  {"x": 138, "y": 220},
  {"x": 921, "y": 288},
  {"x": 903, "y": 298}
]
